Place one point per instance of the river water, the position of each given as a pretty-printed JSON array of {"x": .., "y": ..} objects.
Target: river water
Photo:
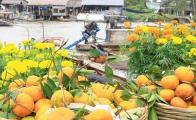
[{"x": 70, "y": 31}]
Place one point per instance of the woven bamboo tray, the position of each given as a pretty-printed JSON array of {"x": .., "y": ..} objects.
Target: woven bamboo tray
[
  {"x": 144, "y": 115},
  {"x": 167, "y": 112}
]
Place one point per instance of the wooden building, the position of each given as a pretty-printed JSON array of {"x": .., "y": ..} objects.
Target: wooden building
[
  {"x": 103, "y": 6},
  {"x": 15, "y": 6},
  {"x": 48, "y": 9},
  {"x": 74, "y": 7}
]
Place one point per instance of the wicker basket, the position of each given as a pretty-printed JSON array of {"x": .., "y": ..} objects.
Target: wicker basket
[
  {"x": 167, "y": 112},
  {"x": 144, "y": 115}
]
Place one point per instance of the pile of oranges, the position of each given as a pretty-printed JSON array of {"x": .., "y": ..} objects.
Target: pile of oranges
[
  {"x": 179, "y": 89},
  {"x": 30, "y": 103}
]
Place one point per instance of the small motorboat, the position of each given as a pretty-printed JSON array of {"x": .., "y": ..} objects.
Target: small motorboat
[{"x": 5, "y": 23}]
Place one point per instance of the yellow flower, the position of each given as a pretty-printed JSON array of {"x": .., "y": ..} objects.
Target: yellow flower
[
  {"x": 42, "y": 46},
  {"x": 183, "y": 29},
  {"x": 138, "y": 30},
  {"x": 192, "y": 52},
  {"x": 67, "y": 63},
  {"x": 45, "y": 64},
  {"x": 145, "y": 29},
  {"x": 26, "y": 41},
  {"x": 161, "y": 41},
  {"x": 63, "y": 53},
  {"x": 40, "y": 56},
  {"x": 31, "y": 63},
  {"x": 8, "y": 74},
  {"x": 21, "y": 53},
  {"x": 9, "y": 48},
  {"x": 168, "y": 26},
  {"x": 177, "y": 40},
  {"x": 191, "y": 38},
  {"x": 17, "y": 65}
]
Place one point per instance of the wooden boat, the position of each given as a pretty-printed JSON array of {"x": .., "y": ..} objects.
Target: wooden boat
[
  {"x": 106, "y": 45},
  {"x": 82, "y": 58},
  {"x": 5, "y": 23},
  {"x": 58, "y": 41}
]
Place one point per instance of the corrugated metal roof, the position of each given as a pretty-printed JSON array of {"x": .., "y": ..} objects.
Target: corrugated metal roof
[
  {"x": 48, "y": 2},
  {"x": 14, "y": 2},
  {"x": 103, "y": 2},
  {"x": 74, "y": 3}
]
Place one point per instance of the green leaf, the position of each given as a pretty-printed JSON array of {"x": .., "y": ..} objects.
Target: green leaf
[
  {"x": 80, "y": 113},
  {"x": 75, "y": 92},
  {"x": 152, "y": 98},
  {"x": 151, "y": 104},
  {"x": 108, "y": 73},
  {"x": 140, "y": 103},
  {"x": 8, "y": 115},
  {"x": 143, "y": 90},
  {"x": 152, "y": 114},
  {"x": 85, "y": 83},
  {"x": 132, "y": 86},
  {"x": 52, "y": 85},
  {"x": 85, "y": 71},
  {"x": 126, "y": 95},
  {"x": 66, "y": 81},
  {"x": 48, "y": 90},
  {"x": 94, "y": 53},
  {"x": 161, "y": 99},
  {"x": 3, "y": 90}
]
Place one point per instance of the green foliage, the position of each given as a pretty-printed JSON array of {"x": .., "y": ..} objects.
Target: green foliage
[
  {"x": 151, "y": 58},
  {"x": 49, "y": 88},
  {"x": 108, "y": 73},
  {"x": 136, "y": 4},
  {"x": 94, "y": 53},
  {"x": 150, "y": 17}
]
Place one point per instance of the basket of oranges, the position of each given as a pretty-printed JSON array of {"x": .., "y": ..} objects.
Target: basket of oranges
[{"x": 179, "y": 92}]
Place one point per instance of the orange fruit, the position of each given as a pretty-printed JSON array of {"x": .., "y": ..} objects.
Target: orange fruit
[
  {"x": 167, "y": 94},
  {"x": 151, "y": 87},
  {"x": 117, "y": 96},
  {"x": 61, "y": 113},
  {"x": 33, "y": 80},
  {"x": 194, "y": 100},
  {"x": 184, "y": 74},
  {"x": 68, "y": 71},
  {"x": 16, "y": 84},
  {"x": 42, "y": 111},
  {"x": 41, "y": 103},
  {"x": 169, "y": 82},
  {"x": 142, "y": 80},
  {"x": 178, "y": 102},
  {"x": 184, "y": 91},
  {"x": 99, "y": 114},
  {"x": 128, "y": 105},
  {"x": 103, "y": 91},
  {"x": 61, "y": 98},
  {"x": 35, "y": 92},
  {"x": 84, "y": 98},
  {"x": 24, "y": 105}
]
